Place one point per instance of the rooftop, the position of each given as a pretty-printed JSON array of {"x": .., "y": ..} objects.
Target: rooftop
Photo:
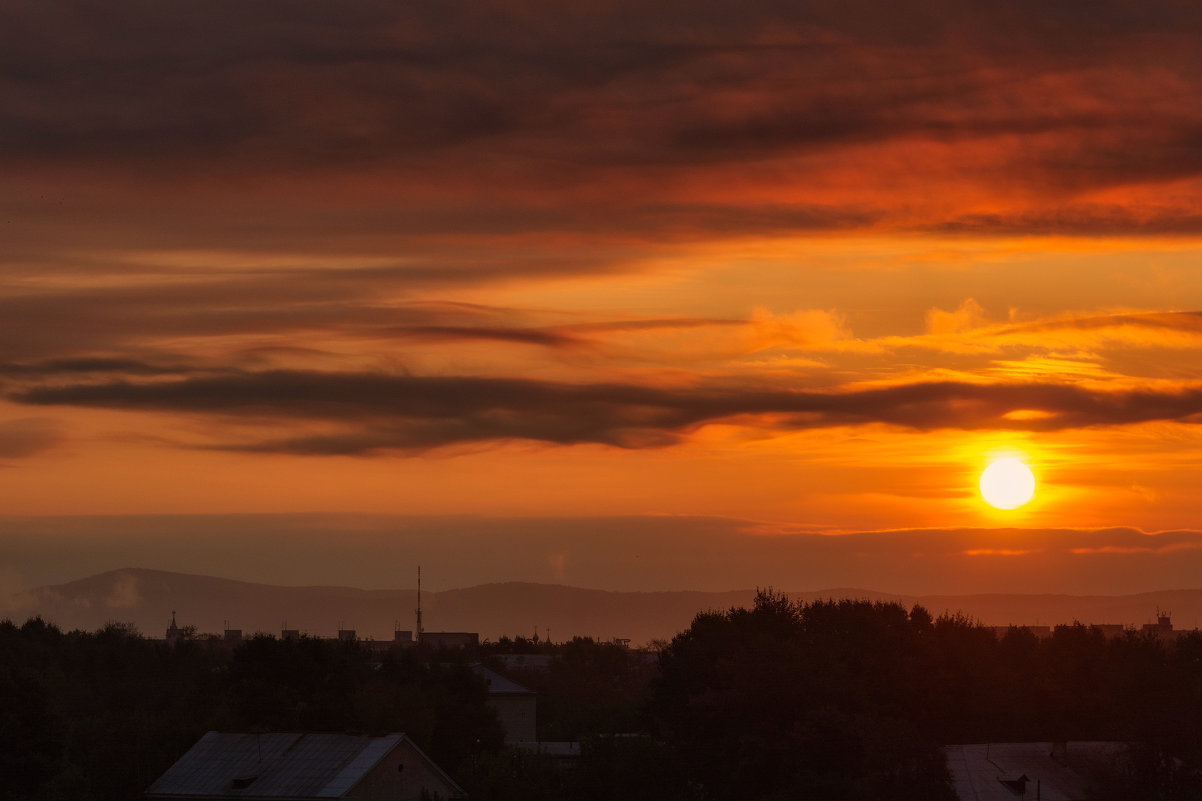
[
  {"x": 498, "y": 684},
  {"x": 290, "y": 765},
  {"x": 991, "y": 772}
]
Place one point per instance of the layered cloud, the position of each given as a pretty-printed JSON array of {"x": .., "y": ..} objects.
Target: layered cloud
[
  {"x": 27, "y": 436},
  {"x": 235, "y": 233},
  {"x": 381, "y": 413},
  {"x": 381, "y": 124}
]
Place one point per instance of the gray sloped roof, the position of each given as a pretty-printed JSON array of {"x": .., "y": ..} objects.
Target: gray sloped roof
[
  {"x": 498, "y": 684},
  {"x": 289, "y": 765},
  {"x": 979, "y": 769}
]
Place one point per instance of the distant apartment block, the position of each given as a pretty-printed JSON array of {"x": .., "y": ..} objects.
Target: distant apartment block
[
  {"x": 1038, "y": 631},
  {"x": 450, "y": 639},
  {"x": 1161, "y": 629}
]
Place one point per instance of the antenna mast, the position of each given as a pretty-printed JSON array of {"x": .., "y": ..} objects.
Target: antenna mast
[{"x": 418, "y": 637}]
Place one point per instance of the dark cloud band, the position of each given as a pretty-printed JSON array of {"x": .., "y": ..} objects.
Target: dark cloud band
[
  {"x": 379, "y": 412},
  {"x": 560, "y": 97}
]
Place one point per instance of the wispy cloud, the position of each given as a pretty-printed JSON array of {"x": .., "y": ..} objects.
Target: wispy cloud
[{"x": 28, "y": 436}]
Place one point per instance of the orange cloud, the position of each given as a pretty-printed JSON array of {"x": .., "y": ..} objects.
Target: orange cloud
[{"x": 997, "y": 552}]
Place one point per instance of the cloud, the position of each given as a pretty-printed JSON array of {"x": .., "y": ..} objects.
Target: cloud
[
  {"x": 97, "y": 364},
  {"x": 1085, "y": 220},
  {"x": 970, "y": 315},
  {"x": 1069, "y": 340},
  {"x": 411, "y": 122},
  {"x": 802, "y": 328},
  {"x": 1183, "y": 322},
  {"x": 27, "y": 436},
  {"x": 381, "y": 412},
  {"x": 47, "y": 330},
  {"x": 523, "y": 336}
]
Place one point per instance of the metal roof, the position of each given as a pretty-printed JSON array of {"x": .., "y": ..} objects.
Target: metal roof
[
  {"x": 979, "y": 770},
  {"x": 498, "y": 684},
  {"x": 283, "y": 765}
]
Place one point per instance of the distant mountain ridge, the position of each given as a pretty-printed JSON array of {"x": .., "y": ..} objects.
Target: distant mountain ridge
[{"x": 147, "y": 598}]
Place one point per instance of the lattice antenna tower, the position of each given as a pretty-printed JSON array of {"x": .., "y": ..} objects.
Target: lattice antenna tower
[{"x": 418, "y": 634}]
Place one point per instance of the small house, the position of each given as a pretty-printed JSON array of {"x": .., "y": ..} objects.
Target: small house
[{"x": 304, "y": 766}]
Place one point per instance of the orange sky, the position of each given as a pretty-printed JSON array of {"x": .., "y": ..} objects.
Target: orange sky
[{"x": 806, "y": 268}]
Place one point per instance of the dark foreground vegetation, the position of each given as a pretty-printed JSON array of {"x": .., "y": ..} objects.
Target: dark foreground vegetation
[{"x": 834, "y": 700}]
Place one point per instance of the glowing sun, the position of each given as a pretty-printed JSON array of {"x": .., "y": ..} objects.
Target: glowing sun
[{"x": 1007, "y": 484}]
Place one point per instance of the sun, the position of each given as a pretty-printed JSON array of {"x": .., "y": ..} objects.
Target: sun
[{"x": 1007, "y": 484}]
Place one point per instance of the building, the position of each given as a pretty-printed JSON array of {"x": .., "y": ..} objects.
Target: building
[
  {"x": 1163, "y": 627},
  {"x": 296, "y": 766},
  {"x": 1045, "y": 771},
  {"x": 449, "y": 639},
  {"x": 174, "y": 633},
  {"x": 1039, "y": 631},
  {"x": 516, "y": 707}
]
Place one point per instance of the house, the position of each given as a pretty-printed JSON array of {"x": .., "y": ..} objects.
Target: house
[
  {"x": 1044, "y": 771},
  {"x": 515, "y": 706},
  {"x": 304, "y": 766}
]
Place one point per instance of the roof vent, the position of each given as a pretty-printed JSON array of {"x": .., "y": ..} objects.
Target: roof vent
[{"x": 242, "y": 782}]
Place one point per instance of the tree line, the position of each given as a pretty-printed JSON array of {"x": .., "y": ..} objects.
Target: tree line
[{"x": 839, "y": 700}]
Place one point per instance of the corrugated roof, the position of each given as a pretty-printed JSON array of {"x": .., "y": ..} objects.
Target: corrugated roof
[
  {"x": 358, "y": 767},
  {"x": 275, "y": 765},
  {"x": 978, "y": 770},
  {"x": 498, "y": 684}
]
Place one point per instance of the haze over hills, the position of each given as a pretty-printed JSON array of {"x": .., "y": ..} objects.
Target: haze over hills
[{"x": 146, "y": 598}]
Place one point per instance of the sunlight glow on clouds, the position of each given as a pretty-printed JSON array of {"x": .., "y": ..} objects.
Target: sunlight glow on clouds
[{"x": 806, "y": 264}]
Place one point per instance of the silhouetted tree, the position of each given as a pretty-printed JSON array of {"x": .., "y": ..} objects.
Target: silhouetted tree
[{"x": 791, "y": 700}]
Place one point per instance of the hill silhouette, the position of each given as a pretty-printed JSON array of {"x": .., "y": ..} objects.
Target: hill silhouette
[{"x": 147, "y": 598}]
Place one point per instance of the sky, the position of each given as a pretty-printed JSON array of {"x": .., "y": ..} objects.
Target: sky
[{"x": 788, "y": 270}]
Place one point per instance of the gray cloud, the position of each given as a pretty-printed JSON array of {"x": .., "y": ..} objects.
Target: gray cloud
[
  {"x": 384, "y": 413},
  {"x": 559, "y": 97},
  {"x": 83, "y": 364}
]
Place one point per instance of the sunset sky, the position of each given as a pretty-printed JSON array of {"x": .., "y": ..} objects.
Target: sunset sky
[{"x": 787, "y": 270}]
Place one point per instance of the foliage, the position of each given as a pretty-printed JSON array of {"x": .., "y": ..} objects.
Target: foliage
[
  {"x": 786, "y": 700},
  {"x": 833, "y": 699},
  {"x": 848, "y": 699},
  {"x": 101, "y": 715},
  {"x": 590, "y": 687}
]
